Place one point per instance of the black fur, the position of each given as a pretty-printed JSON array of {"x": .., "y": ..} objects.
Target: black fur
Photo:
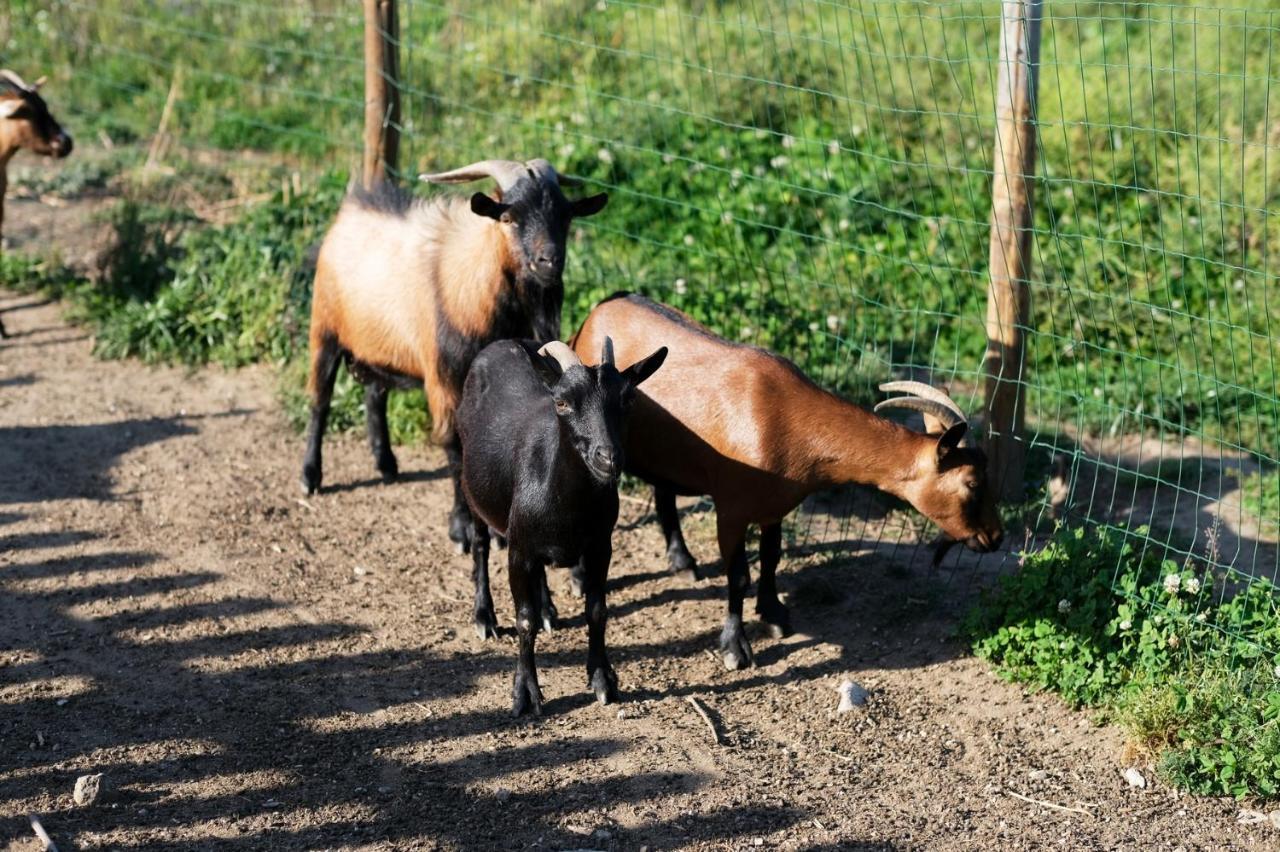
[{"x": 542, "y": 450}]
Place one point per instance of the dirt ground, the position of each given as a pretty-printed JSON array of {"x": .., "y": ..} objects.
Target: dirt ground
[{"x": 253, "y": 670}]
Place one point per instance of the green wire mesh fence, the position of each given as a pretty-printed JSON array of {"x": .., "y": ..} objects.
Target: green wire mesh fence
[{"x": 815, "y": 177}]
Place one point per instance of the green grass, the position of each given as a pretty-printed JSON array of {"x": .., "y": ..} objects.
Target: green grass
[
  {"x": 1187, "y": 661},
  {"x": 811, "y": 177},
  {"x": 1260, "y": 496}
]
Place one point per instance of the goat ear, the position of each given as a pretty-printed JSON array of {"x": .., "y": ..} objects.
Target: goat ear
[
  {"x": 591, "y": 205},
  {"x": 641, "y": 370},
  {"x": 951, "y": 439},
  {"x": 9, "y": 106},
  {"x": 483, "y": 205}
]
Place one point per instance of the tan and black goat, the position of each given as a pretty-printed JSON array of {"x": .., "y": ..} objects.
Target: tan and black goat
[
  {"x": 25, "y": 122},
  {"x": 747, "y": 428},
  {"x": 408, "y": 291}
]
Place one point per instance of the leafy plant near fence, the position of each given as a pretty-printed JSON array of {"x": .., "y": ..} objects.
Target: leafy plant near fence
[{"x": 1172, "y": 652}]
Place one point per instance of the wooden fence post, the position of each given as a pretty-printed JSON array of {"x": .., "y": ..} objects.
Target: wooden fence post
[
  {"x": 1008, "y": 296},
  {"x": 381, "y": 89}
]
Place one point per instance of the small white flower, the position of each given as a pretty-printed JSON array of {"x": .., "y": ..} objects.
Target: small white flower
[
  {"x": 813, "y": 326},
  {"x": 746, "y": 332},
  {"x": 1172, "y": 584},
  {"x": 833, "y": 322},
  {"x": 1192, "y": 585},
  {"x": 833, "y": 148},
  {"x": 1159, "y": 619},
  {"x": 1064, "y": 605},
  {"x": 605, "y": 155},
  {"x": 788, "y": 141},
  {"x": 1277, "y": 670},
  {"x": 1126, "y": 624},
  {"x": 1174, "y": 641},
  {"x": 1202, "y": 617},
  {"x": 688, "y": 239},
  {"x": 779, "y": 161}
]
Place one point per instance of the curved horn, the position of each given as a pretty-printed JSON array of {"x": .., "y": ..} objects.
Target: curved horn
[
  {"x": 505, "y": 172},
  {"x": 548, "y": 172},
  {"x": 924, "y": 391},
  {"x": 40, "y": 81},
  {"x": 15, "y": 80},
  {"x": 564, "y": 356},
  {"x": 932, "y": 407},
  {"x": 606, "y": 352}
]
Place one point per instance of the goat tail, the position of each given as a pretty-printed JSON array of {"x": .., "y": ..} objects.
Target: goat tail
[{"x": 442, "y": 427}]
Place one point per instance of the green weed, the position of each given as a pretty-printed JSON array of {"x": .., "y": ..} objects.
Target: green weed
[{"x": 1188, "y": 662}]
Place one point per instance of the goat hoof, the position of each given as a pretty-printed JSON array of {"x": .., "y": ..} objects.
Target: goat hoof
[
  {"x": 736, "y": 654},
  {"x": 684, "y": 567},
  {"x": 389, "y": 475},
  {"x": 549, "y": 624},
  {"x": 604, "y": 683},
  {"x": 527, "y": 697},
  {"x": 777, "y": 620},
  {"x": 310, "y": 479},
  {"x": 486, "y": 626}
]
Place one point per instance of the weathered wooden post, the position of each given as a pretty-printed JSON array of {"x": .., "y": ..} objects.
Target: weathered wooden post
[
  {"x": 381, "y": 89},
  {"x": 1008, "y": 296}
]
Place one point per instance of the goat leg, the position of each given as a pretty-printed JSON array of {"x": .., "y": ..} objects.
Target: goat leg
[
  {"x": 486, "y": 621},
  {"x": 594, "y": 565},
  {"x": 735, "y": 650},
  {"x": 524, "y": 574},
  {"x": 460, "y": 514},
  {"x": 682, "y": 563},
  {"x": 771, "y": 610},
  {"x": 375, "y": 407},
  {"x": 325, "y": 355}
]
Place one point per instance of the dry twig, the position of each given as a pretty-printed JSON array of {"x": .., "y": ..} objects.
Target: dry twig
[
  {"x": 711, "y": 726},
  {"x": 38, "y": 828},
  {"x": 1029, "y": 800}
]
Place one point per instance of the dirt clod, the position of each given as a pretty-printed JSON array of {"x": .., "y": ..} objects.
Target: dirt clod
[{"x": 90, "y": 789}]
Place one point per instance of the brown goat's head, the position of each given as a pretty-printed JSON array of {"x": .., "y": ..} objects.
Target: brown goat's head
[
  {"x": 25, "y": 121},
  {"x": 535, "y": 215},
  {"x": 950, "y": 482}
]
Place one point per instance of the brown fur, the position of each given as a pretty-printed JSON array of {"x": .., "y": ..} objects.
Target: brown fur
[
  {"x": 17, "y": 134},
  {"x": 747, "y": 428},
  {"x": 380, "y": 277}
]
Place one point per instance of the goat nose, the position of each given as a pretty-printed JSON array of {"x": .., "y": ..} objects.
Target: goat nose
[
  {"x": 62, "y": 144},
  {"x": 604, "y": 457}
]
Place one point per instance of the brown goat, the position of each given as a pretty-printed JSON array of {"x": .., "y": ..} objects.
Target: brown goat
[
  {"x": 747, "y": 428},
  {"x": 408, "y": 292},
  {"x": 25, "y": 122}
]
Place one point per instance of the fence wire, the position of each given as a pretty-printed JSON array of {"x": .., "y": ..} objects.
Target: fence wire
[{"x": 816, "y": 177}]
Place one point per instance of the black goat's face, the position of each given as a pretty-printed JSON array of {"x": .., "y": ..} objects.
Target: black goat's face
[
  {"x": 535, "y": 215},
  {"x": 25, "y": 122},
  {"x": 592, "y": 404}
]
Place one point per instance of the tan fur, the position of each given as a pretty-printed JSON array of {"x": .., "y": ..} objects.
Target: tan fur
[
  {"x": 746, "y": 428},
  {"x": 377, "y": 290}
]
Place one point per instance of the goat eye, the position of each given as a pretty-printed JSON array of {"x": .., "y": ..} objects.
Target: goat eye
[
  {"x": 506, "y": 218},
  {"x": 563, "y": 407}
]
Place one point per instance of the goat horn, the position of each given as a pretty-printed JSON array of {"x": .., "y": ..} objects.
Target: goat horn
[
  {"x": 606, "y": 353},
  {"x": 15, "y": 80},
  {"x": 505, "y": 172},
  {"x": 560, "y": 351},
  {"x": 548, "y": 172},
  {"x": 924, "y": 391},
  {"x": 946, "y": 415},
  {"x": 40, "y": 81}
]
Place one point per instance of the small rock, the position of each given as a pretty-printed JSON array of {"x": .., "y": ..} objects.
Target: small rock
[
  {"x": 1135, "y": 779},
  {"x": 851, "y": 695},
  {"x": 1037, "y": 775},
  {"x": 359, "y": 570},
  {"x": 622, "y": 714},
  {"x": 1275, "y": 819},
  {"x": 90, "y": 789},
  {"x": 502, "y": 794}
]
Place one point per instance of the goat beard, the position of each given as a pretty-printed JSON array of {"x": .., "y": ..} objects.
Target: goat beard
[{"x": 941, "y": 546}]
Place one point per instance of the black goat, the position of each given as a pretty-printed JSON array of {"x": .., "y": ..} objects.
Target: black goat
[{"x": 541, "y": 452}]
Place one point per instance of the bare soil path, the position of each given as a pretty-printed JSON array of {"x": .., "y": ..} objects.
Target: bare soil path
[{"x": 256, "y": 671}]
